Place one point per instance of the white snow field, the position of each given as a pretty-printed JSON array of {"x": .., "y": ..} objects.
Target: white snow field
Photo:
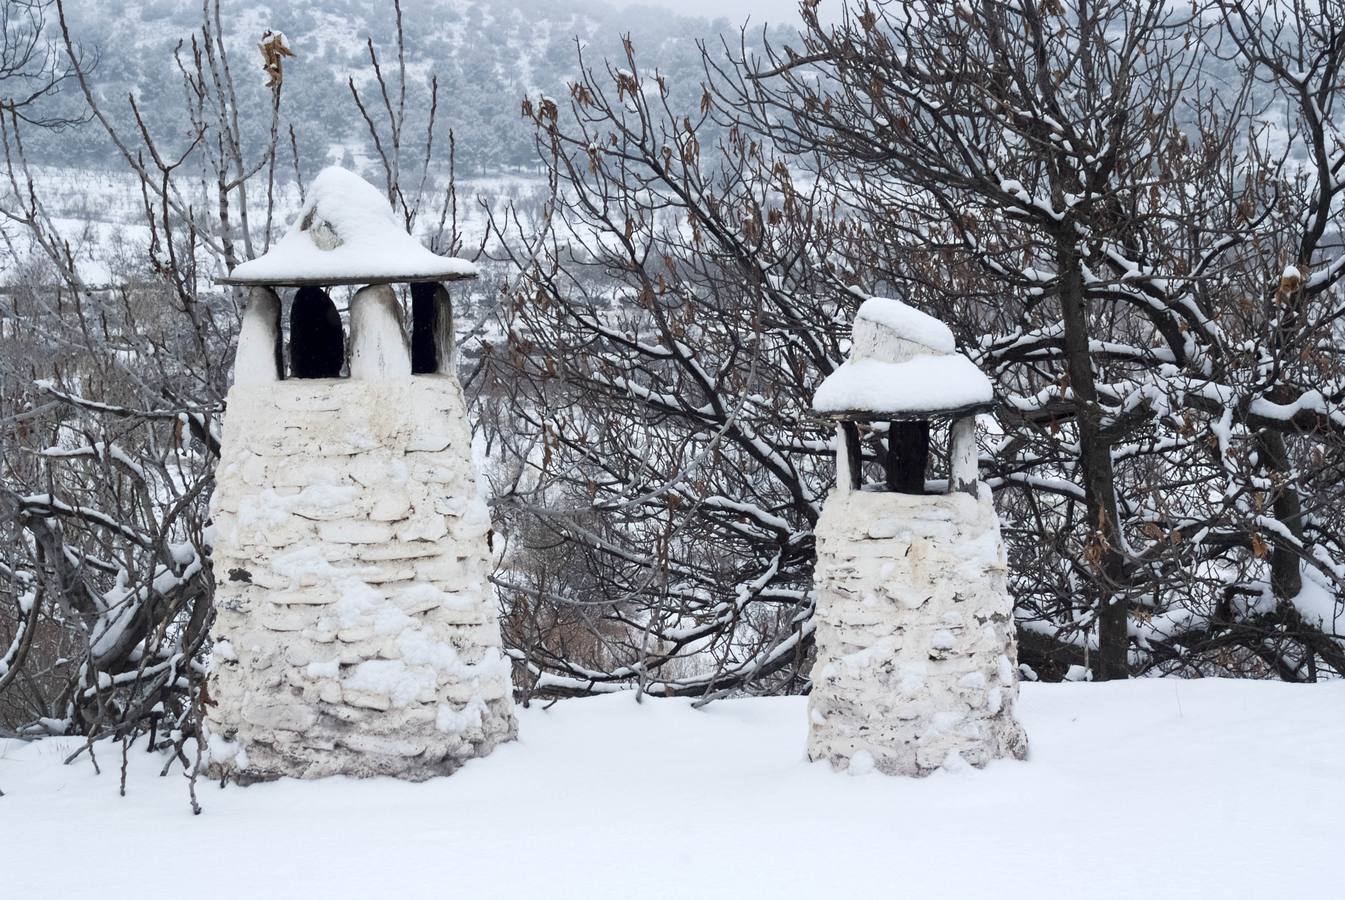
[{"x": 1151, "y": 788}]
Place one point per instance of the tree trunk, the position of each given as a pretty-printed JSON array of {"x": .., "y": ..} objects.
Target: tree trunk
[
  {"x": 1286, "y": 578},
  {"x": 1099, "y": 484}
]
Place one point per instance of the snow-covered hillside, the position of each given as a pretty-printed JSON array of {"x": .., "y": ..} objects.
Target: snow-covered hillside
[
  {"x": 488, "y": 55},
  {"x": 1152, "y": 788}
]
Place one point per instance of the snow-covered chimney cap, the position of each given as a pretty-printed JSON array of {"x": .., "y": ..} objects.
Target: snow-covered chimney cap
[
  {"x": 903, "y": 365},
  {"x": 347, "y": 233}
]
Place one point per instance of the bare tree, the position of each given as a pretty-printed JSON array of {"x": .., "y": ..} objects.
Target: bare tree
[
  {"x": 1099, "y": 173},
  {"x": 667, "y": 326},
  {"x": 32, "y": 70},
  {"x": 114, "y": 393},
  {"x": 1090, "y": 192}
]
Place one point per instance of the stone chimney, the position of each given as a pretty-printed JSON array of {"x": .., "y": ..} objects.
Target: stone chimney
[
  {"x": 916, "y": 661},
  {"x": 357, "y": 632}
]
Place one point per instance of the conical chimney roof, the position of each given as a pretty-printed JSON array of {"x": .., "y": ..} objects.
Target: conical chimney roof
[{"x": 347, "y": 233}]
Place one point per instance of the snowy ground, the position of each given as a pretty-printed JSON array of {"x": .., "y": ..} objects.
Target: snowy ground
[{"x": 1143, "y": 789}]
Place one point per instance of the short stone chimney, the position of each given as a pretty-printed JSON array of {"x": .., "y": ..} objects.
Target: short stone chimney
[
  {"x": 357, "y": 632},
  {"x": 916, "y": 661}
]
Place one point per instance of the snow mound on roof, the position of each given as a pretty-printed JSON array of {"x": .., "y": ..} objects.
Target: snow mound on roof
[
  {"x": 347, "y": 233},
  {"x": 926, "y": 383},
  {"x": 903, "y": 363},
  {"x": 909, "y": 323}
]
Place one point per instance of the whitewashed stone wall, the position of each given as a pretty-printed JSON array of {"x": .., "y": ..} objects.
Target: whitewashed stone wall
[
  {"x": 916, "y": 661},
  {"x": 357, "y": 632}
]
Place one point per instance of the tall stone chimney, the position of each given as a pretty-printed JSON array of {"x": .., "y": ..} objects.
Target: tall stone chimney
[
  {"x": 357, "y": 632},
  {"x": 916, "y": 662}
]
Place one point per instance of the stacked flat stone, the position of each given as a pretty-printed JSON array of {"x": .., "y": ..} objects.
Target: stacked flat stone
[
  {"x": 358, "y": 634},
  {"x": 916, "y": 663}
]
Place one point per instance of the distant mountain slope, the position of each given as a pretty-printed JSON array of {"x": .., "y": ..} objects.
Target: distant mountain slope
[{"x": 487, "y": 53}]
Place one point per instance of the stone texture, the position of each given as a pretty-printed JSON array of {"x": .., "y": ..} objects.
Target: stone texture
[
  {"x": 357, "y": 633},
  {"x": 916, "y": 662}
]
